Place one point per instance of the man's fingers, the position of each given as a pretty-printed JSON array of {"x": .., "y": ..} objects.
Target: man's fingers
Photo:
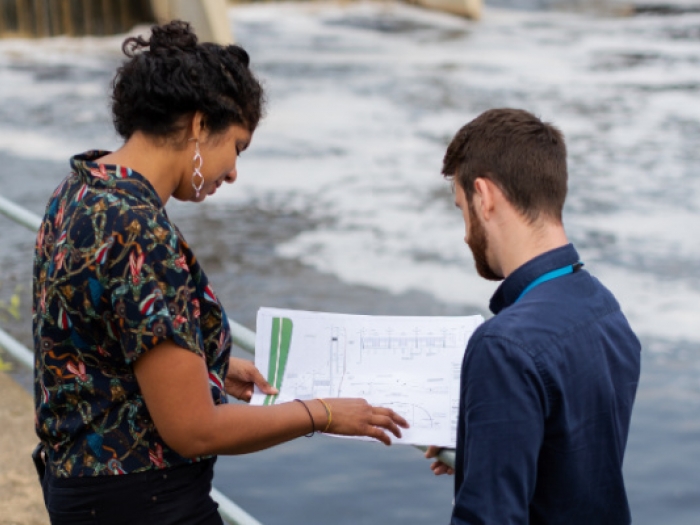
[
  {"x": 432, "y": 452},
  {"x": 439, "y": 468}
]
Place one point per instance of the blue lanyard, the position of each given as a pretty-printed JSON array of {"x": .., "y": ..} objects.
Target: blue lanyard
[{"x": 566, "y": 270}]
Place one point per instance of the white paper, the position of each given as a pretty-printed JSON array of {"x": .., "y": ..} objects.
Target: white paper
[{"x": 409, "y": 364}]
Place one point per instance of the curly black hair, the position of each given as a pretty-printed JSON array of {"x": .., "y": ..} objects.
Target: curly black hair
[{"x": 171, "y": 75}]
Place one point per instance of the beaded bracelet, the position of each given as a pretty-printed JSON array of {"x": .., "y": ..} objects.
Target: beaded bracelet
[
  {"x": 328, "y": 414},
  {"x": 313, "y": 425}
]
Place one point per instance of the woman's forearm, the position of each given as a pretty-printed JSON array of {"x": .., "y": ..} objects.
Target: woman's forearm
[
  {"x": 175, "y": 385},
  {"x": 240, "y": 429}
]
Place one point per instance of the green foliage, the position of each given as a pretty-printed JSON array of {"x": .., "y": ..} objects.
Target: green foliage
[
  {"x": 5, "y": 366},
  {"x": 11, "y": 308}
]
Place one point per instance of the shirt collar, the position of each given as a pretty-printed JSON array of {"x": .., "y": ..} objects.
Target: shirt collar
[
  {"x": 511, "y": 288},
  {"x": 112, "y": 177}
]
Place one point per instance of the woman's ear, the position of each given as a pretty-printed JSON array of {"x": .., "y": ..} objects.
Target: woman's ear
[{"x": 197, "y": 125}]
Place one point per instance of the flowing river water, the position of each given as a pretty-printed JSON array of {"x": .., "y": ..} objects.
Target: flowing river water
[{"x": 340, "y": 205}]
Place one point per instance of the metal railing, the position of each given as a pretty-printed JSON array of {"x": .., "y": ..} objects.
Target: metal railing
[{"x": 241, "y": 336}]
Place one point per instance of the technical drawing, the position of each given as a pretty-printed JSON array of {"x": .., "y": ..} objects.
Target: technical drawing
[{"x": 408, "y": 364}]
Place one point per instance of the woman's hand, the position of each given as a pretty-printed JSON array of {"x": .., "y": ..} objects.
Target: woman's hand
[
  {"x": 437, "y": 466},
  {"x": 242, "y": 376},
  {"x": 356, "y": 417}
]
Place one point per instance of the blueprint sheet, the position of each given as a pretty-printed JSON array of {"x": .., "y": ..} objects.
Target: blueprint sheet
[{"x": 409, "y": 364}]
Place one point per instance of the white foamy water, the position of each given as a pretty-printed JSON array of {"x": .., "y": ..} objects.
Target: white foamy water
[{"x": 363, "y": 99}]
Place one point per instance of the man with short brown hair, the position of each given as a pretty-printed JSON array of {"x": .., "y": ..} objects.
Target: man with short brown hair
[{"x": 548, "y": 383}]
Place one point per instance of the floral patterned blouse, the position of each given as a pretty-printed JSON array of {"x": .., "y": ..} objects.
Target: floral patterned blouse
[{"x": 113, "y": 278}]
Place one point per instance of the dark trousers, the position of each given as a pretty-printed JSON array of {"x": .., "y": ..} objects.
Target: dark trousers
[{"x": 172, "y": 496}]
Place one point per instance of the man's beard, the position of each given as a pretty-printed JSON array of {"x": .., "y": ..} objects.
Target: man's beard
[{"x": 478, "y": 244}]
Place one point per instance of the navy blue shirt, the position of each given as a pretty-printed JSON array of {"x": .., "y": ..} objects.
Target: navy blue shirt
[{"x": 547, "y": 390}]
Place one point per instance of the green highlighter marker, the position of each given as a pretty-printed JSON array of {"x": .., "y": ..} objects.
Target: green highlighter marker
[{"x": 280, "y": 341}]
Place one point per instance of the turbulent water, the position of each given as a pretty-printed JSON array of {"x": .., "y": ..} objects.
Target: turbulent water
[{"x": 340, "y": 204}]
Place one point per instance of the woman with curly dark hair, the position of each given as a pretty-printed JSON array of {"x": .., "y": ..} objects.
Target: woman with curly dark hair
[{"x": 132, "y": 345}]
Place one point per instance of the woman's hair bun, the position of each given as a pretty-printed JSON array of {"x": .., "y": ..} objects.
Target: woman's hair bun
[
  {"x": 170, "y": 76},
  {"x": 175, "y": 34},
  {"x": 239, "y": 54}
]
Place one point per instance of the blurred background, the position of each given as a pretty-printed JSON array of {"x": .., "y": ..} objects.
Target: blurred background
[{"x": 340, "y": 205}]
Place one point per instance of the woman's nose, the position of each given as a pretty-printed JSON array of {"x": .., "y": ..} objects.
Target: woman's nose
[{"x": 231, "y": 177}]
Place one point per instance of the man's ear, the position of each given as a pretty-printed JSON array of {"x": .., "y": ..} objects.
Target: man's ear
[{"x": 484, "y": 196}]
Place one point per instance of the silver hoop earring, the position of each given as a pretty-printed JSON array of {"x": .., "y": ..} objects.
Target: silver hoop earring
[{"x": 197, "y": 161}]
